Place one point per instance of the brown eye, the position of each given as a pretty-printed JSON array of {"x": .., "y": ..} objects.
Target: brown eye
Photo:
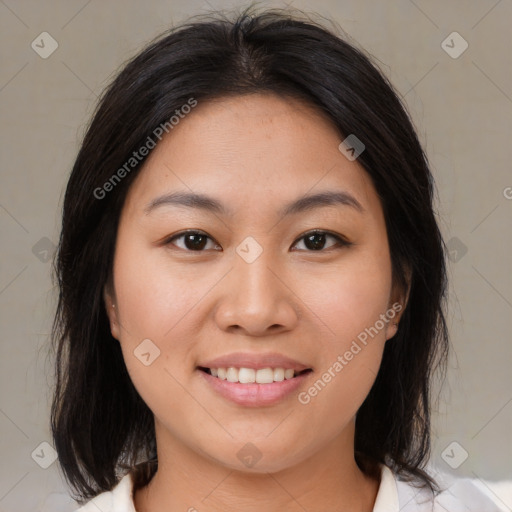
[
  {"x": 192, "y": 241},
  {"x": 197, "y": 241},
  {"x": 316, "y": 240}
]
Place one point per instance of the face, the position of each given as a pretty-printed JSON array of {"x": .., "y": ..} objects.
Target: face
[{"x": 253, "y": 281}]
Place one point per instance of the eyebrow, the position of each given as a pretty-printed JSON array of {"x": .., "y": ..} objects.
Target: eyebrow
[{"x": 210, "y": 204}]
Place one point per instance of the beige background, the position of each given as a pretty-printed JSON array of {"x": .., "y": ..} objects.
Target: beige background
[{"x": 462, "y": 108}]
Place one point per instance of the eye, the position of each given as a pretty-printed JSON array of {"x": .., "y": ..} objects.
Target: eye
[
  {"x": 192, "y": 240},
  {"x": 315, "y": 240},
  {"x": 197, "y": 241}
]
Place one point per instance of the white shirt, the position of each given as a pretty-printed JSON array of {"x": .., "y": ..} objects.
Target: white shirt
[{"x": 394, "y": 495}]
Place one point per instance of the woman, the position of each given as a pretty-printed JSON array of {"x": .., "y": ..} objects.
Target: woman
[{"x": 252, "y": 283}]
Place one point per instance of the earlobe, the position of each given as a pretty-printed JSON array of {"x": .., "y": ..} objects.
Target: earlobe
[
  {"x": 398, "y": 302},
  {"x": 391, "y": 329},
  {"x": 112, "y": 314}
]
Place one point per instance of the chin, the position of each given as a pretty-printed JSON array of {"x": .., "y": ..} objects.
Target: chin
[{"x": 257, "y": 457}]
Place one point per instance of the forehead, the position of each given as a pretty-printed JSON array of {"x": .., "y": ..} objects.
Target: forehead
[{"x": 258, "y": 148}]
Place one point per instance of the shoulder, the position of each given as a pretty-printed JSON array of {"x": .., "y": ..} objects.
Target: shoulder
[
  {"x": 119, "y": 499},
  {"x": 458, "y": 494}
]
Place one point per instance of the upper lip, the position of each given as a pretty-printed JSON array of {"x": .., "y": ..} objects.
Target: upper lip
[{"x": 255, "y": 361}]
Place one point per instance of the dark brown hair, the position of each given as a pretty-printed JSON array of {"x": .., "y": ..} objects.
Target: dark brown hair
[{"x": 100, "y": 424}]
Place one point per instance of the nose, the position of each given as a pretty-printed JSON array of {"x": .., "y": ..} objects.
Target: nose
[{"x": 257, "y": 299}]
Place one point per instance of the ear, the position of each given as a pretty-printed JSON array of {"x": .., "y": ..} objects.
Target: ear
[
  {"x": 111, "y": 310},
  {"x": 399, "y": 298}
]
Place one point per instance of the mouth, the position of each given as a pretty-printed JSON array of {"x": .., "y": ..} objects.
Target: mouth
[
  {"x": 244, "y": 375},
  {"x": 251, "y": 387}
]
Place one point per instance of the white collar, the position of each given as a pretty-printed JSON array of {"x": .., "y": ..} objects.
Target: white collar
[{"x": 387, "y": 496}]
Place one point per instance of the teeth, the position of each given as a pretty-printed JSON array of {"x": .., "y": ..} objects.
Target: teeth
[
  {"x": 232, "y": 375},
  {"x": 279, "y": 374},
  {"x": 246, "y": 375},
  {"x": 249, "y": 375}
]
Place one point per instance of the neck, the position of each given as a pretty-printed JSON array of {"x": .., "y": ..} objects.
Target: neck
[{"x": 185, "y": 480}]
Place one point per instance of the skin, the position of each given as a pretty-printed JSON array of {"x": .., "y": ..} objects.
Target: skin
[{"x": 254, "y": 153}]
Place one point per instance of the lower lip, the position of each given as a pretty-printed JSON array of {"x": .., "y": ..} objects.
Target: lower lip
[{"x": 254, "y": 395}]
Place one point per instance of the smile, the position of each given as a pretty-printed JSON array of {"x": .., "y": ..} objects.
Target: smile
[
  {"x": 253, "y": 394},
  {"x": 251, "y": 375}
]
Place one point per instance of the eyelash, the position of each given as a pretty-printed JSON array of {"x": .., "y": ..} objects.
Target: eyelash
[{"x": 341, "y": 242}]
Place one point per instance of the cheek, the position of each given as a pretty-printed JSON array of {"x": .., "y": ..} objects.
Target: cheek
[
  {"x": 153, "y": 311},
  {"x": 351, "y": 296},
  {"x": 351, "y": 301},
  {"x": 154, "y": 295},
  {"x": 162, "y": 301}
]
